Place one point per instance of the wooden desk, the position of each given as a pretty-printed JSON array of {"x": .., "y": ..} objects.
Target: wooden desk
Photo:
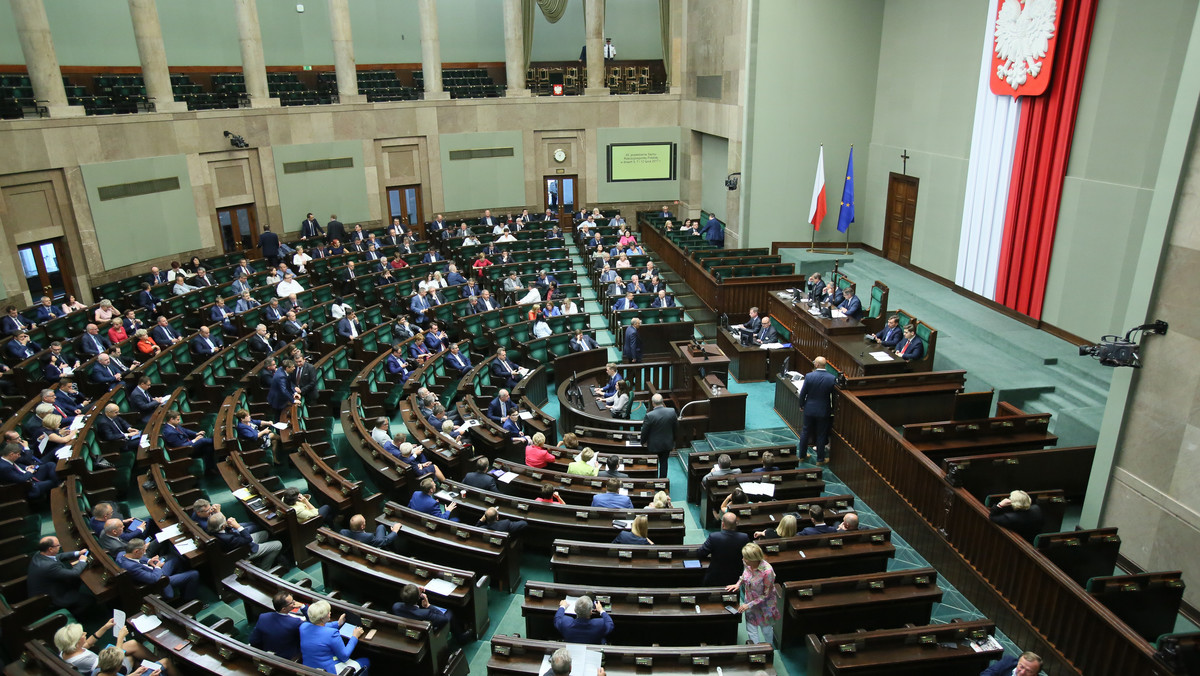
[
  {"x": 513, "y": 656},
  {"x": 937, "y": 650},
  {"x": 840, "y": 341},
  {"x": 496, "y": 554},
  {"x": 749, "y": 363},
  {"x": 712, "y": 360},
  {"x": 641, "y": 615},
  {"x": 852, "y": 602},
  {"x": 745, "y": 459}
]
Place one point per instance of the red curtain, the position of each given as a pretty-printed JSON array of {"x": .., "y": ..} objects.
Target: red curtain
[{"x": 1040, "y": 165}]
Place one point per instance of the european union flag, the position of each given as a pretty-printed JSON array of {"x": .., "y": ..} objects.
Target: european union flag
[{"x": 846, "y": 214}]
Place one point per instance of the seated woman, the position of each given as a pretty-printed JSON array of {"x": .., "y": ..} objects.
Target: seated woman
[
  {"x": 661, "y": 501},
  {"x": 735, "y": 498},
  {"x": 74, "y": 646},
  {"x": 618, "y": 403},
  {"x": 305, "y": 510},
  {"x": 541, "y": 329},
  {"x": 300, "y": 259},
  {"x": 627, "y": 239},
  {"x": 636, "y": 535},
  {"x": 481, "y": 264},
  {"x": 549, "y": 495},
  {"x": 71, "y": 305},
  {"x": 321, "y": 643},
  {"x": 177, "y": 271},
  {"x": 257, "y": 432},
  {"x": 105, "y": 312},
  {"x": 623, "y": 262},
  {"x": 536, "y": 456},
  {"x": 116, "y": 332},
  {"x": 398, "y": 263},
  {"x": 144, "y": 345},
  {"x": 583, "y": 466},
  {"x": 53, "y": 430},
  {"x": 785, "y": 529}
]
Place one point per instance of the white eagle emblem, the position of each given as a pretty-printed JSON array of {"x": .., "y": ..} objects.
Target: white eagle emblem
[{"x": 1022, "y": 38}]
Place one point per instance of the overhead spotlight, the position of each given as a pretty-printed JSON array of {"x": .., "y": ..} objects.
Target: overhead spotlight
[
  {"x": 236, "y": 141},
  {"x": 1117, "y": 351}
]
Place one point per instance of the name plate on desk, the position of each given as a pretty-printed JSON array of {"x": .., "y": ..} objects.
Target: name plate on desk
[
  {"x": 677, "y": 516},
  {"x": 687, "y": 600},
  {"x": 562, "y": 550},
  {"x": 772, "y": 549},
  {"x": 502, "y": 650},
  {"x": 523, "y": 506},
  {"x": 703, "y": 458},
  {"x": 646, "y": 600},
  {"x": 496, "y": 541},
  {"x": 536, "y": 593},
  {"x": 664, "y": 556},
  {"x": 489, "y": 499},
  {"x": 758, "y": 659},
  {"x": 536, "y": 475},
  {"x": 847, "y": 648},
  {"x": 624, "y": 554},
  {"x": 462, "y": 534},
  {"x": 729, "y": 598},
  {"x": 876, "y": 585},
  {"x": 878, "y": 539},
  {"x": 805, "y": 592},
  {"x": 371, "y": 558},
  {"x": 567, "y": 481},
  {"x": 604, "y": 599},
  {"x": 835, "y": 543},
  {"x": 581, "y": 515},
  {"x": 421, "y": 572},
  {"x": 921, "y": 580},
  {"x": 345, "y": 549},
  {"x": 412, "y": 633},
  {"x": 699, "y": 661},
  {"x": 644, "y": 661}
]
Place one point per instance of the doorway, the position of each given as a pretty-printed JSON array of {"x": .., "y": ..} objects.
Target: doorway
[
  {"x": 900, "y": 216},
  {"x": 239, "y": 229},
  {"x": 42, "y": 264},
  {"x": 404, "y": 202},
  {"x": 560, "y": 195}
]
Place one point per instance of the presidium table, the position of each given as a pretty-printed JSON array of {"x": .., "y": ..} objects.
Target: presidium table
[{"x": 841, "y": 341}]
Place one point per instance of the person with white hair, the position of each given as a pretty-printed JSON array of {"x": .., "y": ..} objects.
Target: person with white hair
[
  {"x": 321, "y": 643},
  {"x": 590, "y": 624},
  {"x": 1018, "y": 514}
]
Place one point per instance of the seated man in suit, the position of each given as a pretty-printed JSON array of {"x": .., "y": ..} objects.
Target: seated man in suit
[
  {"x": 245, "y": 302},
  {"x": 261, "y": 342},
  {"x": 148, "y": 570},
  {"x": 91, "y": 343},
  {"x": 431, "y": 256},
  {"x": 396, "y": 365},
  {"x": 383, "y": 537},
  {"x": 110, "y": 427},
  {"x": 817, "y": 514},
  {"x": 610, "y": 388},
  {"x": 1028, "y": 664},
  {"x": 38, "y": 479},
  {"x": 663, "y": 300},
  {"x": 890, "y": 336},
  {"x": 146, "y": 299},
  {"x": 626, "y": 303},
  {"x": 480, "y": 477},
  {"x": 503, "y": 367},
  {"x": 220, "y": 313},
  {"x": 57, "y": 574},
  {"x": 414, "y": 605},
  {"x": 814, "y": 286},
  {"x": 725, "y": 548},
  {"x": 21, "y": 347},
  {"x": 142, "y": 402},
  {"x": 279, "y": 632},
  {"x": 163, "y": 334},
  {"x": 205, "y": 345},
  {"x": 293, "y": 329},
  {"x": 454, "y": 277},
  {"x": 581, "y": 342},
  {"x": 635, "y": 285},
  {"x": 177, "y": 436},
  {"x": 832, "y": 295},
  {"x": 611, "y": 496},
  {"x": 435, "y": 338},
  {"x": 423, "y": 501},
  {"x": 910, "y": 347},
  {"x": 499, "y": 407},
  {"x": 402, "y": 330},
  {"x": 273, "y": 312},
  {"x": 850, "y": 304},
  {"x": 349, "y": 327},
  {"x": 46, "y": 310},
  {"x": 13, "y": 322},
  {"x": 753, "y": 324},
  {"x": 766, "y": 333},
  {"x": 231, "y": 535},
  {"x": 589, "y": 625},
  {"x": 457, "y": 360}
]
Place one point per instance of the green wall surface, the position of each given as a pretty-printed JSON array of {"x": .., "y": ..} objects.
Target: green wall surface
[
  {"x": 485, "y": 183},
  {"x": 387, "y": 32},
  {"x": 292, "y": 38},
  {"x": 1114, "y": 164},
  {"x": 469, "y": 30},
  {"x": 200, "y": 33},
  {"x": 811, "y": 81},
  {"x": 636, "y": 191},
  {"x": 134, "y": 229},
  {"x": 329, "y": 191},
  {"x": 714, "y": 167},
  {"x": 924, "y": 104}
]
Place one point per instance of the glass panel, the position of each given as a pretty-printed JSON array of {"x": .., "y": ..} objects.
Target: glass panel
[
  {"x": 568, "y": 193},
  {"x": 243, "y": 219},
  {"x": 50, "y": 257},
  {"x": 28, "y": 265},
  {"x": 410, "y": 205},
  {"x": 225, "y": 220},
  {"x": 393, "y": 203},
  {"x": 552, "y": 193}
]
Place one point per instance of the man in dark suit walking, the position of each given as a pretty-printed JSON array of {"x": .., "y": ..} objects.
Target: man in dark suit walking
[
  {"x": 632, "y": 349},
  {"x": 658, "y": 432},
  {"x": 816, "y": 399},
  {"x": 725, "y": 548},
  {"x": 334, "y": 229},
  {"x": 269, "y": 243}
]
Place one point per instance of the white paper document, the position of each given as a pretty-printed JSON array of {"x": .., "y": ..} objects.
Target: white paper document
[
  {"x": 168, "y": 532},
  {"x": 145, "y": 623},
  {"x": 151, "y": 667},
  {"x": 78, "y": 423},
  {"x": 882, "y": 356},
  {"x": 280, "y": 425},
  {"x": 145, "y": 442},
  {"x": 526, "y": 415},
  {"x": 771, "y": 346},
  {"x": 758, "y": 488},
  {"x": 570, "y": 609},
  {"x": 507, "y": 477},
  {"x": 118, "y": 620},
  {"x": 837, "y": 314},
  {"x": 63, "y": 453},
  {"x": 185, "y": 546},
  {"x": 440, "y": 587},
  {"x": 243, "y": 494}
]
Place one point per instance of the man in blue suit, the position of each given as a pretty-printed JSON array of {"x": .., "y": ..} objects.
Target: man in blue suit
[
  {"x": 431, "y": 256},
  {"x": 423, "y": 501},
  {"x": 396, "y": 365},
  {"x": 611, "y": 497},
  {"x": 890, "y": 336},
  {"x": 142, "y": 402},
  {"x": 626, "y": 303},
  {"x": 349, "y": 327},
  {"x": 38, "y": 480},
  {"x": 910, "y": 347},
  {"x": 725, "y": 548},
  {"x": 454, "y": 277},
  {"x": 816, "y": 399},
  {"x": 850, "y": 304},
  {"x": 221, "y": 313},
  {"x": 13, "y": 323},
  {"x": 269, "y": 243},
  {"x": 163, "y": 334},
  {"x": 589, "y": 625},
  {"x": 632, "y": 347},
  {"x": 146, "y": 299},
  {"x": 205, "y": 344},
  {"x": 420, "y": 306},
  {"x": 383, "y": 537},
  {"x": 713, "y": 232},
  {"x": 283, "y": 389},
  {"x": 91, "y": 342},
  {"x": 503, "y": 367},
  {"x": 499, "y": 407},
  {"x": 663, "y": 300},
  {"x": 177, "y": 436},
  {"x": 766, "y": 333},
  {"x": 148, "y": 570},
  {"x": 435, "y": 338},
  {"x": 46, "y": 310},
  {"x": 1028, "y": 664},
  {"x": 457, "y": 360},
  {"x": 415, "y": 605},
  {"x": 22, "y": 348},
  {"x": 279, "y": 632}
]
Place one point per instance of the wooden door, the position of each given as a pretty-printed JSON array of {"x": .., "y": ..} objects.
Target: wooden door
[
  {"x": 404, "y": 202},
  {"x": 239, "y": 228},
  {"x": 900, "y": 215},
  {"x": 44, "y": 265},
  {"x": 560, "y": 196}
]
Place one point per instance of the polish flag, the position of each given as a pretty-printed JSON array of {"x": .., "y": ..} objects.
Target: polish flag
[{"x": 816, "y": 213}]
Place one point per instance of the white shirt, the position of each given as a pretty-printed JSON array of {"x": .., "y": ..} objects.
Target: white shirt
[
  {"x": 287, "y": 288},
  {"x": 570, "y": 308},
  {"x": 499, "y": 229},
  {"x": 506, "y": 238},
  {"x": 300, "y": 259},
  {"x": 610, "y": 52},
  {"x": 541, "y": 329},
  {"x": 338, "y": 310}
]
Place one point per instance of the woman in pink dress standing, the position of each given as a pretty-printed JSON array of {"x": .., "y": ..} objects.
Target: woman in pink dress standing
[{"x": 760, "y": 601}]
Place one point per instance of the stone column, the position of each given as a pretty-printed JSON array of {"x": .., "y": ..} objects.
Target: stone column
[
  {"x": 514, "y": 49},
  {"x": 254, "y": 66},
  {"x": 343, "y": 52},
  {"x": 431, "y": 52},
  {"x": 678, "y": 53},
  {"x": 37, "y": 45},
  {"x": 593, "y": 26},
  {"x": 152, "y": 54}
]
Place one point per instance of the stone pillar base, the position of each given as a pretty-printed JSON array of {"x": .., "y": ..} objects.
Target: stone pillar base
[
  {"x": 437, "y": 96},
  {"x": 352, "y": 98},
  {"x": 596, "y": 91},
  {"x": 66, "y": 111},
  {"x": 267, "y": 102},
  {"x": 513, "y": 93},
  {"x": 170, "y": 107},
  {"x": 676, "y": 89}
]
